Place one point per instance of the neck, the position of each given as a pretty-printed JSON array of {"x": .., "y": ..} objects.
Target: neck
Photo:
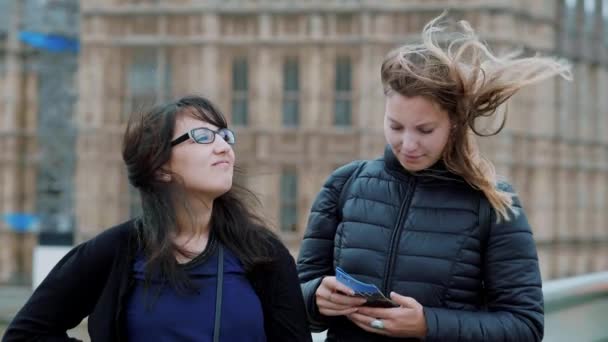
[
  {"x": 194, "y": 220},
  {"x": 193, "y": 229}
]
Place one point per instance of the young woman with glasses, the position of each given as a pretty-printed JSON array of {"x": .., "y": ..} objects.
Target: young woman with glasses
[
  {"x": 428, "y": 223},
  {"x": 198, "y": 265}
]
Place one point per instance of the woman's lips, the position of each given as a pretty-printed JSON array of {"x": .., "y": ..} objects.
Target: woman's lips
[
  {"x": 412, "y": 157},
  {"x": 221, "y": 163}
]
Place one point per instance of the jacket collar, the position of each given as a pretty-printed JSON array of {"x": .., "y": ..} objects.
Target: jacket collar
[{"x": 432, "y": 173}]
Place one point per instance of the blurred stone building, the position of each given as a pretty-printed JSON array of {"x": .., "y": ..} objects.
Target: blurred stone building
[
  {"x": 300, "y": 83},
  {"x": 18, "y": 121}
]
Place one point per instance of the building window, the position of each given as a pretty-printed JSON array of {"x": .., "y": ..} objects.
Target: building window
[
  {"x": 605, "y": 20},
  {"x": 149, "y": 79},
  {"x": 343, "y": 92},
  {"x": 240, "y": 91},
  {"x": 570, "y": 14},
  {"x": 289, "y": 201},
  {"x": 2, "y": 65},
  {"x": 589, "y": 8},
  {"x": 291, "y": 93}
]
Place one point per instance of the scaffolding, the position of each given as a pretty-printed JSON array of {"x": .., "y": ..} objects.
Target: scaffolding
[{"x": 37, "y": 133}]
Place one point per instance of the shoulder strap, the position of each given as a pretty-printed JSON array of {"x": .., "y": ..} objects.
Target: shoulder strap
[
  {"x": 342, "y": 197},
  {"x": 484, "y": 222},
  {"x": 218, "y": 294},
  {"x": 485, "y": 218}
]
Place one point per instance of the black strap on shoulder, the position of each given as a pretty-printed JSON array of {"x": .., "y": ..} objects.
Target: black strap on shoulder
[
  {"x": 218, "y": 294},
  {"x": 485, "y": 218},
  {"x": 484, "y": 222},
  {"x": 342, "y": 197}
]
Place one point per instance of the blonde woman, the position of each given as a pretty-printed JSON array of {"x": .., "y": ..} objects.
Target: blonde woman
[{"x": 428, "y": 223}]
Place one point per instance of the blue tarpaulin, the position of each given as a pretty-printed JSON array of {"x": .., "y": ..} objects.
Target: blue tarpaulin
[
  {"x": 21, "y": 222},
  {"x": 49, "y": 42}
]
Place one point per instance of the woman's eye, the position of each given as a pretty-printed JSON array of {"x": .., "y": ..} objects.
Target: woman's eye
[
  {"x": 426, "y": 131},
  {"x": 396, "y": 128}
]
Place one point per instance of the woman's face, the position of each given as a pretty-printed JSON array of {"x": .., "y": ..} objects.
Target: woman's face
[
  {"x": 206, "y": 169},
  {"x": 416, "y": 129}
]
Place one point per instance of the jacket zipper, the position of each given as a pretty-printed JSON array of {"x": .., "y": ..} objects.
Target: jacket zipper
[{"x": 396, "y": 236}]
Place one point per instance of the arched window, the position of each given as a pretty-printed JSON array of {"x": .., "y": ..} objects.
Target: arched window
[
  {"x": 289, "y": 200},
  {"x": 605, "y": 20},
  {"x": 343, "y": 92},
  {"x": 240, "y": 91},
  {"x": 589, "y": 18},
  {"x": 291, "y": 92},
  {"x": 148, "y": 78},
  {"x": 570, "y": 7}
]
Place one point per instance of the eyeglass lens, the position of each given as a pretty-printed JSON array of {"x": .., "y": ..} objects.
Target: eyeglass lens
[{"x": 206, "y": 136}]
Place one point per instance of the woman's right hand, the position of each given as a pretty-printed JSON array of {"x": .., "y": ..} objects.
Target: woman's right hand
[{"x": 336, "y": 299}]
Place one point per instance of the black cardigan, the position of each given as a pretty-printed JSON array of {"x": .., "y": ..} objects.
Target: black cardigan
[{"x": 94, "y": 279}]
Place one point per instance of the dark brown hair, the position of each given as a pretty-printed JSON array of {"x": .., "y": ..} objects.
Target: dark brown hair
[{"x": 146, "y": 148}]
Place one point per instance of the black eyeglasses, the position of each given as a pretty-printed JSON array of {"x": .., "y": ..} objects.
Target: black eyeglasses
[{"x": 203, "y": 135}]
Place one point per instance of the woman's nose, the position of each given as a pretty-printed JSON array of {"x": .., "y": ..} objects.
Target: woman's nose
[
  {"x": 220, "y": 145},
  {"x": 409, "y": 142}
]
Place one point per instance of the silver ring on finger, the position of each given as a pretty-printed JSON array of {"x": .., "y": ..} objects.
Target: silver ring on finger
[{"x": 377, "y": 324}]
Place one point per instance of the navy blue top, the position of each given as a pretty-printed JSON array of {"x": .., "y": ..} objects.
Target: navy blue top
[{"x": 171, "y": 316}]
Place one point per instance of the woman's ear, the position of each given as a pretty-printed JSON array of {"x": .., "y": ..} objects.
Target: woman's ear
[
  {"x": 453, "y": 128},
  {"x": 163, "y": 176}
]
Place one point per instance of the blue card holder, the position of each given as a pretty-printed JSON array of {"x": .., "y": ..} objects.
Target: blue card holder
[{"x": 371, "y": 292}]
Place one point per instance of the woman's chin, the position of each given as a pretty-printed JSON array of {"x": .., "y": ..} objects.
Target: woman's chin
[
  {"x": 213, "y": 191},
  {"x": 413, "y": 166},
  {"x": 222, "y": 189}
]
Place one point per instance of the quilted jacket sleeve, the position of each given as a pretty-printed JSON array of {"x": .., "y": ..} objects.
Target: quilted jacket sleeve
[
  {"x": 514, "y": 291},
  {"x": 316, "y": 252}
]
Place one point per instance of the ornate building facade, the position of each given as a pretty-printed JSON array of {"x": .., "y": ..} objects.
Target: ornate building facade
[
  {"x": 18, "y": 144},
  {"x": 300, "y": 83}
]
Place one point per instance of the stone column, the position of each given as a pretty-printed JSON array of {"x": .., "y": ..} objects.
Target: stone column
[
  {"x": 208, "y": 79},
  {"x": 262, "y": 80},
  {"x": 8, "y": 135}
]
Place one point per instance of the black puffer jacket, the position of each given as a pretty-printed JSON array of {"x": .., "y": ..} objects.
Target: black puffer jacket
[{"x": 420, "y": 236}]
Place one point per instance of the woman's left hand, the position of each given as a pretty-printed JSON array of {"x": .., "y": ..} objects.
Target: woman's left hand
[{"x": 405, "y": 321}]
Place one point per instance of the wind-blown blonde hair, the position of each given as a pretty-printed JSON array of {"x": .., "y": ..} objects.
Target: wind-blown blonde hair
[{"x": 457, "y": 71}]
